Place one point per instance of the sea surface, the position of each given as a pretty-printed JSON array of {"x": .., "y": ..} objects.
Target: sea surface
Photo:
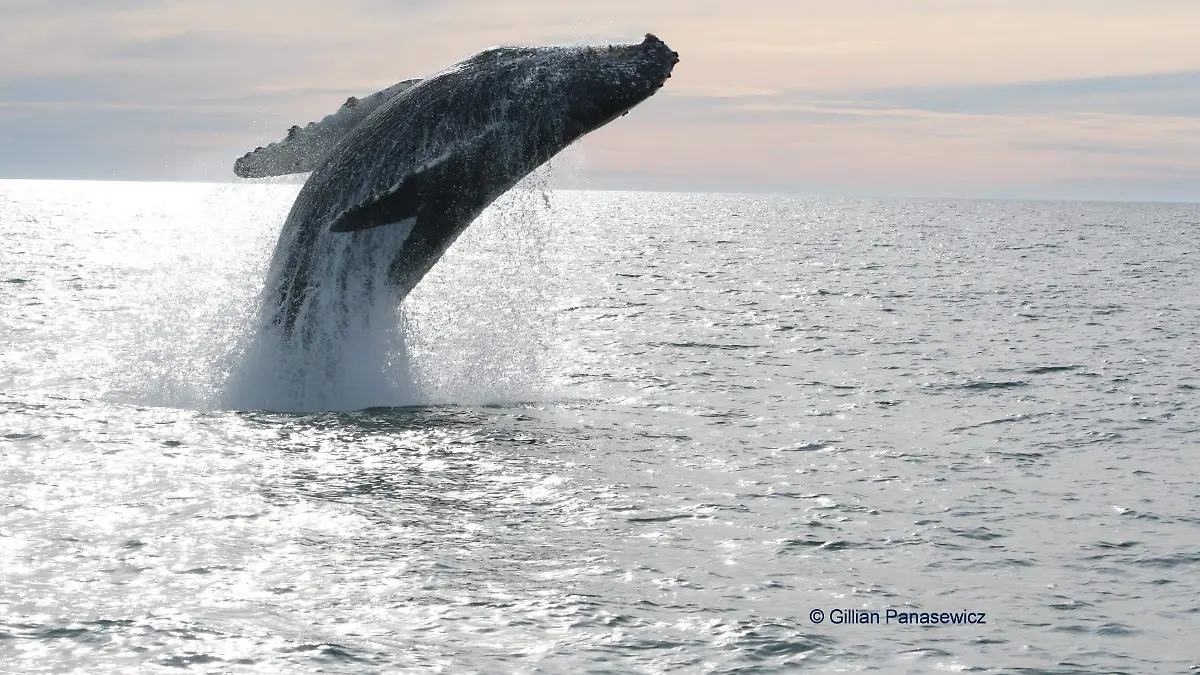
[{"x": 620, "y": 433}]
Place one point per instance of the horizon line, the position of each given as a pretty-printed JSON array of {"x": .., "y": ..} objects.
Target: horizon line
[{"x": 767, "y": 192}]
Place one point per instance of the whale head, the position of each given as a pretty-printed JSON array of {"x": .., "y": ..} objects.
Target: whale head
[{"x": 616, "y": 78}]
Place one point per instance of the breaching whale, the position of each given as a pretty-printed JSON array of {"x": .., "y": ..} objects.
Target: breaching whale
[{"x": 425, "y": 157}]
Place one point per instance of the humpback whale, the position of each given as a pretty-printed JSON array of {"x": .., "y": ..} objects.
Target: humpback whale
[{"x": 422, "y": 159}]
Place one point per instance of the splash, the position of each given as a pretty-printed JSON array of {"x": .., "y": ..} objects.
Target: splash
[
  {"x": 350, "y": 353},
  {"x": 480, "y": 326},
  {"x": 476, "y": 330}
]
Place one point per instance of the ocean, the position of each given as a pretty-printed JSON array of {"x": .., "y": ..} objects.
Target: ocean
[{"x": 611, "y": 432}]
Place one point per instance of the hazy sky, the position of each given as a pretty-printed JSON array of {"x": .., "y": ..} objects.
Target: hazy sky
[{"x": 1032, "y": 98}]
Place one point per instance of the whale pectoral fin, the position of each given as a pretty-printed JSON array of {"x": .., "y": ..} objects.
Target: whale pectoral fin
[
  {"x": 304, "y": 148},
  {"x": 401, "y": 204}
]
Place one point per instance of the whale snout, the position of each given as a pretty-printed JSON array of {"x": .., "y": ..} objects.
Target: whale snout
[
  {"x": 655, "y": 43},
  {"x": 655, "y": 51},
  {"x": 650, "y": 61}
]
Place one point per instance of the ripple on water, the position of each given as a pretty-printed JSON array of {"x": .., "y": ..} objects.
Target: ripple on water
[{"x": 735, "y": 434}]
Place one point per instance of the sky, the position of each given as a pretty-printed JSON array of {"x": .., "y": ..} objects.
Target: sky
[{"x": 1074, "y": 99}]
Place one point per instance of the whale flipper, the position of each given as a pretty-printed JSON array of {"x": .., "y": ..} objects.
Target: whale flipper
[{"x": 304, "y": 148}]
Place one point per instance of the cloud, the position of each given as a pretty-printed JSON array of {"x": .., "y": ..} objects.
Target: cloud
[
  {"x": 926, "y": 96},
  {"x": 789, "y": 143},
  {"x": 116, "y": 143},
  {"x": 807, "y": 49},
  {"x": 1173, "y": 94}
]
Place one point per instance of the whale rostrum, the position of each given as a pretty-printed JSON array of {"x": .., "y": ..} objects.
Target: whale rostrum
[{"x": 426, "y": 157}]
